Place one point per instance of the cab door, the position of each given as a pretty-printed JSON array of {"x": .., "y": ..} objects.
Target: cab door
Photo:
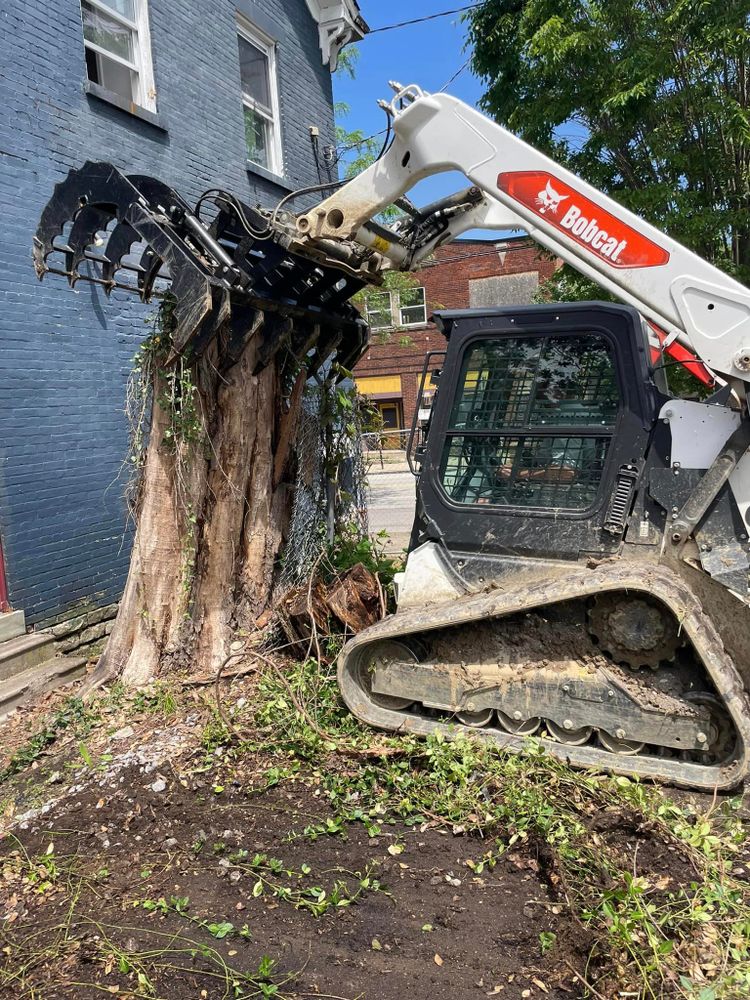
[{"x": 541, "y": 412}]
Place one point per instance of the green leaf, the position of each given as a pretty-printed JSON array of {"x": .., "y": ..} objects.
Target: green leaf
[
  {"x": 220, "y": 930},
  {"x": 266, "y": 967},
  {"x": 547, "y": 941},
  {"x": 651, "y": 130}
]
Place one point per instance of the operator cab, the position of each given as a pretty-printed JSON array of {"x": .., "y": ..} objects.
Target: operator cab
[{"x": 542, "y": 414}]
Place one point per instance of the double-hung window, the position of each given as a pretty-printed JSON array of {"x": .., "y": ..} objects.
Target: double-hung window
[
  {"x": 260, "y": 101},
  {"x": 379, "y": 311},
  {"x": 396, "y": 310},
  {"x": 412, "y": 307},
  {"x": 118, "y": 49}
]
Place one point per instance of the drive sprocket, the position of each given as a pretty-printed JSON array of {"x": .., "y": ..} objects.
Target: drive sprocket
[{"x": 636, "y": 631}]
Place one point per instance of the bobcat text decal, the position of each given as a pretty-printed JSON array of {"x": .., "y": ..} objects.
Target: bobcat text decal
[{"x": 575, "y": 215}]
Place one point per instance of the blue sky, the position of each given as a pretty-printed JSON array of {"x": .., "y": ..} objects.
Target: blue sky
[{"x": 427, "y": 54}]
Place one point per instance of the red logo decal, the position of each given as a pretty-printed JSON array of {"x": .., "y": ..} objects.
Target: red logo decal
[{"x": 592, "y": 227}]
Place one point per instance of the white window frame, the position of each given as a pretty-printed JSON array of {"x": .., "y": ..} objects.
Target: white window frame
[
  {"x": 143, "y": 67},
  {"x": 423, "y": 304},
  {"x": 368, "y": 310},
  {"x": 395, "y": 310},
  {"x": 247, "y": 30}
]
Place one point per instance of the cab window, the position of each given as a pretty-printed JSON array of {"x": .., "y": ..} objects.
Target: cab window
[{"x": 532, "y": 422}]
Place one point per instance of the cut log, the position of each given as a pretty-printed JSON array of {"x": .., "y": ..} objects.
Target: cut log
[{"x": 355, "y": 600}]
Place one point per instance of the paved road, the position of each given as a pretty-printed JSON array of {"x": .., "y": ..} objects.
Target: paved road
[{"x": 391, "y": 507}]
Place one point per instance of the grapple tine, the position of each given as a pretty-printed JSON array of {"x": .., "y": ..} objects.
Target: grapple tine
[
  {"x": 88, "y": 222},
  {"x": 352, "y": 346},
  {"x": 200, "y": 311},
  {"x": 121, "y": 239}
]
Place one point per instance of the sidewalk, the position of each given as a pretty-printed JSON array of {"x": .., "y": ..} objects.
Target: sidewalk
[
  {"x": 386, "y": 461},
  {"x": 392, "y": 498},
  {"x": 374, "y": 468}
]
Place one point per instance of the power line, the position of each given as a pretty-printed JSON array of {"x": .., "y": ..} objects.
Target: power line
[
  {"x": 427, "y": 264},
  {"x": 360, "y": 142},
  {"x": 456, "y": 75},
  {"x": 428, "y": 17}
]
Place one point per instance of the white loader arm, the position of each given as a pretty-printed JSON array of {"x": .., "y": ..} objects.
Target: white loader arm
[{"x": 691, "y": 300}]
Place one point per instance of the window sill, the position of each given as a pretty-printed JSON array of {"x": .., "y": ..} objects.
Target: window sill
[
  {"x": 411, "y": 328},
  {"x": 268, "y": 175},
  {"x": 109, "y": 97}
]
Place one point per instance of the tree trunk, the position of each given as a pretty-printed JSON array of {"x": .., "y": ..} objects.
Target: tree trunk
[{"x": 213, "y": 509}]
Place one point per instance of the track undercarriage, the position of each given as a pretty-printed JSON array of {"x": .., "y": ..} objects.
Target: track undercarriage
[{"x": 527, "y": 661}]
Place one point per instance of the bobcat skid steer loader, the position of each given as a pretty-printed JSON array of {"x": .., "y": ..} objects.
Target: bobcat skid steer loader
[{"x": 578, "y": 566}]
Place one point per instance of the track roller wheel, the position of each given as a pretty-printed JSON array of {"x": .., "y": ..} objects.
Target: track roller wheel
[
  {"x": 382, "y": 652},
  {"x": 573, "y": 737},
  {"x": 519, "y": 727},
  {"x": 627, "y": 747},
  {"x": 476, "y": 720}
]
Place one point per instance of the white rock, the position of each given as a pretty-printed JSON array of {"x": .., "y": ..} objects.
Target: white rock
[{"x": 123, "y": 734}]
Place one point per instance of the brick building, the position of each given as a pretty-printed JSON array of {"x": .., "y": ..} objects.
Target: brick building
[
  {"x": 197, "y": 94},
  {"x": 465, "y": 274}
]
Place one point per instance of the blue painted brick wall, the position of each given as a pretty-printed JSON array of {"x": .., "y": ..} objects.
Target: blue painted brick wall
[{"x": 65, "y": 355}]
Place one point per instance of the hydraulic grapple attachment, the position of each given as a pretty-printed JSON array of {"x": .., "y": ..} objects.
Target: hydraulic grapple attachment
[{"x": 238, "y": 275}]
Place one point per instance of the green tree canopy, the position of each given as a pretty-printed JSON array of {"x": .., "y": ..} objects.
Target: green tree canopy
[{"x": 648, "y": 100}]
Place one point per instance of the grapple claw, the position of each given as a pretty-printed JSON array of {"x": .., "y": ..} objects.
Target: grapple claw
[
  {"x": 97, "y": 185},
  {"x": 243, "y": 261}
]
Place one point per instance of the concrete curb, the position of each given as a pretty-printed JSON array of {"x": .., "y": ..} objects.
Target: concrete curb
[{"x": 375, "y": 470}]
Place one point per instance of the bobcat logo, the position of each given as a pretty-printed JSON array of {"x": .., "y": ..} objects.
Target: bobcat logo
[{"x": 549, "y": 200}]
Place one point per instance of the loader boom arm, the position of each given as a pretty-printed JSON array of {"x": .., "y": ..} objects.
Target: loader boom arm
[{"x": 692, "y": 301}]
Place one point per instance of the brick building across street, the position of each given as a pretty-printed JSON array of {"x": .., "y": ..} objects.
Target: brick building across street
[
  {"x": 466, "y": 274},
  {"x": 235, "y": 94}
]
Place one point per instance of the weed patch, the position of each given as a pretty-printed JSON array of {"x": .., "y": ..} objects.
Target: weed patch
[
  {"x": 73, "y": 717},
  {"x": 656, "y": 888}
]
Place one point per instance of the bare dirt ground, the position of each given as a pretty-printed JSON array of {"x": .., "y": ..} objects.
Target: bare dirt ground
[
  {"x": 150, "y": 825},
  {"x": 147, "y": 853}
]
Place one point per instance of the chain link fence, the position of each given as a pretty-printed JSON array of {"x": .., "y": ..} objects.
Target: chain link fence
[
  {"x": 386, "y": 440},
  {"x": 321, "y": 506}
]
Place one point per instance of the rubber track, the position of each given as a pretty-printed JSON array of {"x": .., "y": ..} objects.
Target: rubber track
[{"x": 656, "y": 580}]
